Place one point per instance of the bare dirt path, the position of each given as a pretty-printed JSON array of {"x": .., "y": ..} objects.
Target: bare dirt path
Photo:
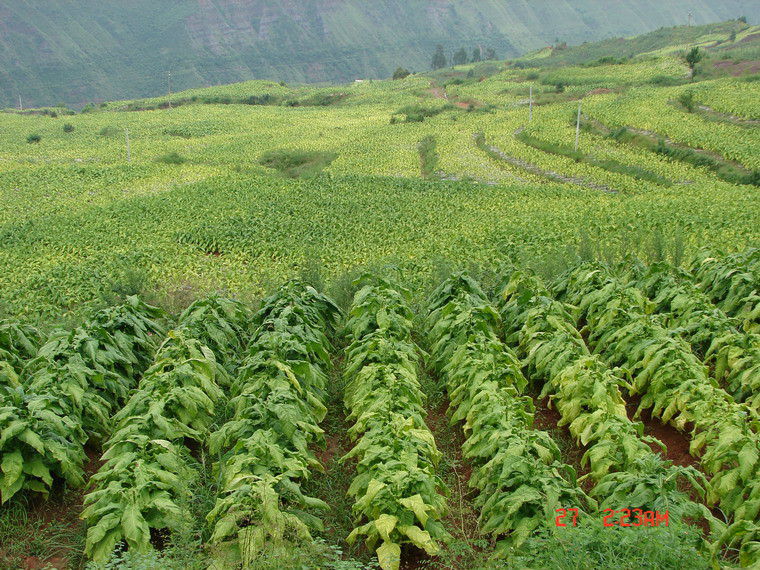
[{"x": 440, "y": 93}]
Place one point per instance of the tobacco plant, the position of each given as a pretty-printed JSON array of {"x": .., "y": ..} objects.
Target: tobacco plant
[
  {"x": 398, "y": 495},
  {"x": 517, "y": 470}
]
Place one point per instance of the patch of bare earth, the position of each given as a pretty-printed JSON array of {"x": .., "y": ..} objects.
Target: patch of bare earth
[{"x": 738, "y": 68}]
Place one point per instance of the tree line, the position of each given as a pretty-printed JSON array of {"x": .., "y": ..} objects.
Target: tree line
[{"x": 461, "y": 56}]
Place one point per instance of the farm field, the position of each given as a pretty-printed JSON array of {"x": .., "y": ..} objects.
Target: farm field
[{"x": 392, "y": 324}]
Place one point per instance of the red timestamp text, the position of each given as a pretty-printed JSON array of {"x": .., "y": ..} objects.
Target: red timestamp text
[{"x": 616, "y": 517}]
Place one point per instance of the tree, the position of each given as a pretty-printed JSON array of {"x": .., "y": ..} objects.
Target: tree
[
  {"x": 687, "y": 100},
  {"x": 460, "y": 57},
  {"x": 693, "y": 58},
  {"x": 439, "y": 58},
  {"x": 476, "y": 57},
  {"x": 743, "y": 19},
  {"x": 490, "y": 54},
  {"x": 401, "y": 73}
]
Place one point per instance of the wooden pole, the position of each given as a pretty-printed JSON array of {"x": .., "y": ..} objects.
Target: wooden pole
[
  {"x": 129, "y": 154},
  {"x": 578, "y": 127},
  {"x": 530, "y": 112},
  {"x": 169, "y": 79}
]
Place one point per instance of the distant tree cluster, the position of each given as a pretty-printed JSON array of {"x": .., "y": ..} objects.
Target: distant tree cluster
[
  {"x": 461, "y": 56},
  {"x": 401, "y": 73}
]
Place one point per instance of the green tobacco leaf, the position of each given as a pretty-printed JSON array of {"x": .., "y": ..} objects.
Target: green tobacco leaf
[
  {"x": 12, "y": 467},
  {"x": 136, "y": 530}
]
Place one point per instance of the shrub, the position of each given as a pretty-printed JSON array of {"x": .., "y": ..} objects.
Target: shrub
[
  {"x": 417, "y": 113},
  {"x": 665, "y": 81},
  {"x": 68, "y": 128},
  {"x": 687, "y": 100},
  {"x": 428, "y": 156},
  {"x": 295, "y": 163},
  {"x": 401, "y": 73},
  {"x": 34, "y": 138},
  {"x": 109, "y": 131},
  {"x": 172, "y": 158}
]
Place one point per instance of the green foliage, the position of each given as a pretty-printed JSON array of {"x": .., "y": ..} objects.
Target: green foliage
[
  {"x": 730, "y": 281},
  {"x": 36, "y": 445},
  {"x": 275, "y": 407},
  {"x": 460, "y": 57},
  {"x": 587, "y": 395},
  {"x": 72, "y": 385},
  {"x": 396, "y": 487},
  {"x": 146, "y": 479},
  {"x": 733, "y": 355},
  {"x": 418, "y": 113},
  {"x": 606, "y": 164},
  {"x": 172, "y": 158},
  {"x": 673, "y": 383},
  {"x": 19, "y": 343},
  {"x": 687, "y": 100},
  {"x": 297, "y": 163},
  {"x": 439, "y": 58},
  {"x": 401, "y": 73},
  {"x": 428, "y": 156},
  {"x": 517, "y": 470},
  {"x": 602, "y": 548},
  {"x": 109, "y": 131},
  {"x": 694, "y": 56},
  {"x": 726, "y": 170},
  {"x": 68, "y": 128},
  {"x": 34, "y": 138}
]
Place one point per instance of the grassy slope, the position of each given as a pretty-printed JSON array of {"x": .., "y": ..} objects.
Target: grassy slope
[
  {"x": 61, "y": 50},
  {"x": 665, "y": 41}
]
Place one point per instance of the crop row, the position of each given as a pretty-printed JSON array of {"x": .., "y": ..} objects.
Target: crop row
[
  {"x": 276, "y": 403},
  {"x": 672, "y": 382},
  {"x": 732, "y": 282},
  {"x": 517, "y": 470},
  {"x": 732, "y": 355},
  {"x": 52, "y": 404},
  {"x": 396, "y": 489},
  {"x": 145, "y": 481},
  {"x": 588, "y": 396}
]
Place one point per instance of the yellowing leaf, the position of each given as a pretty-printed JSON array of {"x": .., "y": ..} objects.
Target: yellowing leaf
[
  {"x": 385, "y": 524},
  {"x": 389, "y": 556},
  {"x": 420, "y": 538}
]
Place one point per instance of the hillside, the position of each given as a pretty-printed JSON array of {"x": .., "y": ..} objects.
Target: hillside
[{"x": 54, "y": 51}]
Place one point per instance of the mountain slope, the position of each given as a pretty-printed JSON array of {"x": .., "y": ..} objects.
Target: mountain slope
[{"x": 75, "y": 51}]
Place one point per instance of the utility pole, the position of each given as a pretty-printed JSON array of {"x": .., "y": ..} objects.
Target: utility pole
[
  {"x": 20, "y": 106},
  {"x": 690, "y": 19},
  {"x": 169, "y": 80},
  {"x": 530, "y": 107},
  {"x": 578, "y": 127},
  {"x": 129, "y": 154}
]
